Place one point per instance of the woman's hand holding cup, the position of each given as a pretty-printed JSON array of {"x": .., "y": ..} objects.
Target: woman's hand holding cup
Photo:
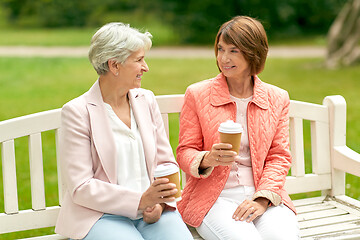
[
  {"x": 226, "y": 152},
  {"x": 219, "y": 155},
  {"x": 160, "y": 191}
]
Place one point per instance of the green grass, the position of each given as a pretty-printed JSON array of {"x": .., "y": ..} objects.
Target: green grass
[
  {"x": 46, "y": 37},
  {"x": 162, "y": 35},
  {"x": 29, "y": 85}
]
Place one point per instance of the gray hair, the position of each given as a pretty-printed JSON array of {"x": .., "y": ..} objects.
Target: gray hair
[{"x": 116, "y": 41}]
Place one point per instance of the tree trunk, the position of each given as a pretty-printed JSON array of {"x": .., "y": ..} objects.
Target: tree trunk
[{"x": 343, "y": 37}]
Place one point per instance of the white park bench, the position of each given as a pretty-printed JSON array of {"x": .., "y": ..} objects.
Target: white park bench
[{"x": 333, "y": 215}]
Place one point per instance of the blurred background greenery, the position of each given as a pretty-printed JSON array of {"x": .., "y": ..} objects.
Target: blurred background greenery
[
  {"x": 172, "y": 22},
  {"x": 33, "y": 84}
]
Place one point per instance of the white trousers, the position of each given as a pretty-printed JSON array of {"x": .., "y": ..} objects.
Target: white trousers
[{"x": 277, "y": 223}]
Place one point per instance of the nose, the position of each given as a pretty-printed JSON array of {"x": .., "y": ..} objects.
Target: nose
[
  {"x": 223, "y": 57},
  {"x": 145, "y": 67}
]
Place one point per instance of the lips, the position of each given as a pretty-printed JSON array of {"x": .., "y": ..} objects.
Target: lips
[{"x": 228, "y": 67}]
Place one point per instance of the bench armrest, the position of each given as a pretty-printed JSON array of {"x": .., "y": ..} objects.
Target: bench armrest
[{"x": 347, "y": 160}]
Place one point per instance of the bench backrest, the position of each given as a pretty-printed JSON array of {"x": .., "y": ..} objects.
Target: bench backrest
[{"x": 319, "y": 175}]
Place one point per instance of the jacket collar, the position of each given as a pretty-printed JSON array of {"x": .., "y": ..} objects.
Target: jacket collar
[
  {"x": 101, "y": 130},
  {"x": 94, "y": 96},
  {"x": 220, "y": 95}
]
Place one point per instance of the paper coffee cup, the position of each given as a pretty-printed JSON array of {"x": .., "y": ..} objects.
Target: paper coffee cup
[
  {"x": 171, "y": 172},
  {"x": 230, "y": 132}
]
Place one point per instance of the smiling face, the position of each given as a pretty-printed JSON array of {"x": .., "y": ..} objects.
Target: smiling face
[
  {"x": 231, "y": 61},
  {"x": 132, "y": 70}
]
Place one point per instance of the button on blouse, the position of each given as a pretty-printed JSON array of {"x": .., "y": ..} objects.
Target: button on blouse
[{"x": 241, "y": 171}]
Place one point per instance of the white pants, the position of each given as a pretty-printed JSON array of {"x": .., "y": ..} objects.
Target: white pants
[{"x": 277, "y": 223}]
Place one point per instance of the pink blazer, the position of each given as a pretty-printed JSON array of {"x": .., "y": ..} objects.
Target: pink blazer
[
  {"x": 88, "y": 159},
  {"x": 206, "y": 105}
]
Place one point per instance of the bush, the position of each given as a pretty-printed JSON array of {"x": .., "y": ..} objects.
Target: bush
[{"x": 194, "y": 21}]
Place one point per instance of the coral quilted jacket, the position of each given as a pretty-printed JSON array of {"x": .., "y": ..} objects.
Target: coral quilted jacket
[{"x": 206, "y": 105}]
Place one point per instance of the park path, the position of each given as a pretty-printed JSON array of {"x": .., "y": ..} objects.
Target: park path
[{"x": 158, "y": 52}]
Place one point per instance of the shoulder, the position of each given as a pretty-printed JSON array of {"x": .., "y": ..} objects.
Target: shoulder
[
  {"x": 76, "y": 103},
  {"x": 275, "y": 93},
  {"x": 199, "y": 89},
  {"x": 141, "y": 92},
  {"x": 76, "y": 108},
  {"x": 200, "y": 86}
]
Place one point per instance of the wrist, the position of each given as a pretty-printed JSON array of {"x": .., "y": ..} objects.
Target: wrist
[
  {"x": 163, "y": 206},
  {"x": 263, "y": 201},
  {"x": 203, "y": 164}
]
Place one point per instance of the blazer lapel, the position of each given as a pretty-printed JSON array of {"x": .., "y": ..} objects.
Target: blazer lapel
[
  {"x": 101, "y": 132},
  {"x": 143, "y": 119}
]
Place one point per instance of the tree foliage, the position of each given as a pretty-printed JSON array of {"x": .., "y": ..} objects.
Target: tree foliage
[
  {"x": 198, "y": 21},
  {"x": 195, "y": 21}
]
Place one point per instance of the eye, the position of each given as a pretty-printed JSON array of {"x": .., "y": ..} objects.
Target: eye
[{"x": 220, "y": 49}]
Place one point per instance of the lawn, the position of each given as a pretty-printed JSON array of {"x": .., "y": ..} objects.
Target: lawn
[
  {"x": 162, "y": 36},
  {"x": 29, "y": 85}
]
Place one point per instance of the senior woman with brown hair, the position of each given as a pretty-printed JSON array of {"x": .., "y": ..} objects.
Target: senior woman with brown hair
[
  {"x": 230, "y": 195},
  {"x": 112, "y": 138}
]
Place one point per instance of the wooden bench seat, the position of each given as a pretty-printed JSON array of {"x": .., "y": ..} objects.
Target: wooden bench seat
[{"x": 332, "y": 215}]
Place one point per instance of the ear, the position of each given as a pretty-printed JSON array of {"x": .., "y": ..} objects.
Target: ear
[{"x": 113, "y": 66}]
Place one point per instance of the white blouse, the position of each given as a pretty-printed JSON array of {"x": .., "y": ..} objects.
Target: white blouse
[{"x": 131, "y": 166}]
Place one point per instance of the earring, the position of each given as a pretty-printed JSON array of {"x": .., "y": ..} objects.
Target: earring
[{"x": 116, "y": 73}]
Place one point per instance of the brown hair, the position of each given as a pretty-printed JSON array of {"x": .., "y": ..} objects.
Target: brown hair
[{"x": 249, "y": 35}]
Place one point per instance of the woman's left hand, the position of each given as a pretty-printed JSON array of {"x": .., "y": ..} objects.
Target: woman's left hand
[
  {"x": 152, "y": 214},
  {"x": 251, "y": 209}
]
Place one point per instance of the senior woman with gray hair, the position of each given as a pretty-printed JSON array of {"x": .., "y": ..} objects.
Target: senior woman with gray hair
[{"x": 111, "y": 140}]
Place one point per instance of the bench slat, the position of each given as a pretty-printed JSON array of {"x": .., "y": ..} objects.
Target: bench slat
[
  {"x": 321, "y": 214},
  {"x": 343, "y": 235},
  {"x": 309, "y": 111},
  {"x": 36, "y": 172},
  {"x": 308, "y": 201},
  {"x": 308, "y": 183},
  {"x": 9, "y": 177},
  {"x": 170, "y": 103},
  {"x": 320, "y": 148},
  {"x": 297, "y": 147},
  {"x": 347, "y": 160},
  {"x": 328, "y": 221},
  {"x": 48, "y": 237},
  {"x": 314, "y": 207},
  {"x": 332, "y": 228},
  {"x": 165, "y": 118},
  {"x": 61, "y": 184},
  {"x": 28, "y": 219},
  {"x": 29, "y": 124}
]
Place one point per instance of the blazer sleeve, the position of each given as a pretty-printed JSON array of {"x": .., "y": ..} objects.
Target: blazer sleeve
[{"x": 79, "y": 161}]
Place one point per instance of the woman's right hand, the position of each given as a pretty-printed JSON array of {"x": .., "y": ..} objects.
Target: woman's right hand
[
  {"x": 158, "y": 192},
  {"x": 219, "y": 155}
]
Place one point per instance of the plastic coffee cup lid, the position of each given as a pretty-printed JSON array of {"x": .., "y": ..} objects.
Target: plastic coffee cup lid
[
  {"x": 165, "y": 170},
  {"x": 230, "y": 127}
]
